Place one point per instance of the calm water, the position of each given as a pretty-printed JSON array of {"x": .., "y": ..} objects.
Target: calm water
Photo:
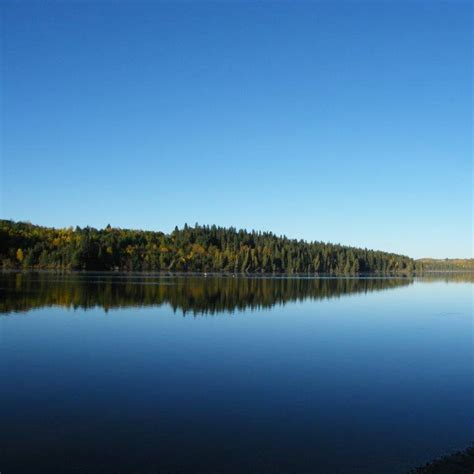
[{"x": 148, "y": 374}]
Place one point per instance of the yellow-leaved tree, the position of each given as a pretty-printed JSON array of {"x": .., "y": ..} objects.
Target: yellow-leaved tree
[{"x": 19, "y": 255}]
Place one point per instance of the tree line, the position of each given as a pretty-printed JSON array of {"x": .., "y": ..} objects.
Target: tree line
[
  {"x": 447, "y": 264},
  {"x": 198, "y": 248}
]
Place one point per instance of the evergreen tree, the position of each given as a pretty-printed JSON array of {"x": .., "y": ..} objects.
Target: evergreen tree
[{"x": 192, "y": 249}]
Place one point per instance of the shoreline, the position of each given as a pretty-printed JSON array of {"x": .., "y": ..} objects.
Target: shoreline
[{"x": 460, "y": 462}]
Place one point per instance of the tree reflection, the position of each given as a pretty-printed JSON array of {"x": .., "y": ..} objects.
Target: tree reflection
[{"x": 190, "y": 294}]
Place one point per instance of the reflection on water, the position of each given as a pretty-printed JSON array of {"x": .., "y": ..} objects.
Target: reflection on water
[
  {"x": 358, "y": 375},
  {"x": 196, "y": 295}
]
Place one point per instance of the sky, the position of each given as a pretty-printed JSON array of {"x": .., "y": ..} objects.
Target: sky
[{"x": 347, "y": 122}]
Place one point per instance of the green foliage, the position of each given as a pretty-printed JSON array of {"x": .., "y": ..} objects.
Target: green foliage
[
  {"x": 447, "y": 264},
  {"x": 191, "y": 249}
]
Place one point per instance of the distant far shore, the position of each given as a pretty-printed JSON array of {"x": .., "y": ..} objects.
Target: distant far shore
[
  {"x": 231, "y": 274},
  {"x": 199, "y": 249},
  {"x": 435, "y": 275}
]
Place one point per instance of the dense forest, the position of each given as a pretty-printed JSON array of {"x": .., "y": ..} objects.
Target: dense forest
[
  {"x": 447, "y": 264},
  {"x": 190, "y": 249}
]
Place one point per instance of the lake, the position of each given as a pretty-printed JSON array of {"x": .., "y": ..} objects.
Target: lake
[{"x": 138, "y": 373}]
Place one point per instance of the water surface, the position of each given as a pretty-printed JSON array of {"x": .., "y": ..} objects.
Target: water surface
[{"x": 154, "y": 374}]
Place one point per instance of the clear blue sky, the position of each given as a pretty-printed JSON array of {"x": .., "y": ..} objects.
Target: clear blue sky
[{"x": 343, "y": 122}]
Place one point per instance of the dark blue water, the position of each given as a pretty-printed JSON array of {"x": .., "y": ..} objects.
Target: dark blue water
[{"x": 146, "y": 374}]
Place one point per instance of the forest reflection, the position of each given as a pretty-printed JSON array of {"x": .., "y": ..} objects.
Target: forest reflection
[{"x": 188, "y": 294}]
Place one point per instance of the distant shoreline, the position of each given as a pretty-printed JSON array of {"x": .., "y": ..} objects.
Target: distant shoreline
[
  {"x": 239, "y": 274},
  {"x": 199, "y": 249}
]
